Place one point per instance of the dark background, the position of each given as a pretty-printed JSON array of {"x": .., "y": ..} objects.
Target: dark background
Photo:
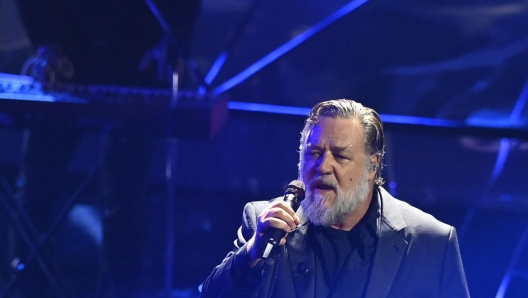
[{"x": 465, "y": 61}]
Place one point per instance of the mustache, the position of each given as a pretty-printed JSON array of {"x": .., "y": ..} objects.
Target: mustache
[{"x": 323, "y": 180}]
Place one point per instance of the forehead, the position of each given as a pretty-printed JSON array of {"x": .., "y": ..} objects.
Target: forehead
[{"x": 336, "y": 132}]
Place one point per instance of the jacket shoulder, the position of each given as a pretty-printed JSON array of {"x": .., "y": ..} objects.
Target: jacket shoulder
[
  {"x": 254, "y": 208},
  {"x": 415, "y": 221},
  {"x": 250, "y": 215}
]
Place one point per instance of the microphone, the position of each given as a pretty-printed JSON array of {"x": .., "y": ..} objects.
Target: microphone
[{"x": 293, "y": 195}]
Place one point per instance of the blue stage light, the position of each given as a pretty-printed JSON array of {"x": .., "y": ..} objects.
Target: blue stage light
[{"x": 288, "y": 46}]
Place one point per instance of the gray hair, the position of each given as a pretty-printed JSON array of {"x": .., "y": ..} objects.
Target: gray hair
[{"x": 374, "y": 140}]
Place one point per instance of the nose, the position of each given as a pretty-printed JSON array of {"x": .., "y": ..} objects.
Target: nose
[{"x": 324, "y": 164}]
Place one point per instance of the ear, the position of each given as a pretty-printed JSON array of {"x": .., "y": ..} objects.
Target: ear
[{"x": 373, "y": 166}]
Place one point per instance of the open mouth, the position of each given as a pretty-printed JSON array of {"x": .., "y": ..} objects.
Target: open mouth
[{"x": 323, "y": 186}]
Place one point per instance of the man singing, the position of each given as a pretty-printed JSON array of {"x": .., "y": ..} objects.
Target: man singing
[{"x": 350, "y": 237}]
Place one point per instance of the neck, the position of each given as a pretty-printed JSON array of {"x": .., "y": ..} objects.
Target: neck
[{"x": 351, "y": 221}]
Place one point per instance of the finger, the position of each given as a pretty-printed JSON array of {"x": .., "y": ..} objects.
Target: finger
[
  {"x": 297, "y": 219},
  {"x": 276, "y": 223},
  {"x": 282, "y": 215},
  {"x": 283, "y": 240},
  {"x": 286, "y": 207}
]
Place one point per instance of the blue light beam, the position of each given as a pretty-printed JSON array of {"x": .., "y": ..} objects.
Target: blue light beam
[
  {"x": 504, "y": 150},
  {"x": 503, "y": 288},
  {"x": 302, "y": 111},
  {"x": 215, "y": 68},
  {"x": 221, "y": 59},
  {"x": 288, "y": 46},
  {"x": 499, "y": 165}
]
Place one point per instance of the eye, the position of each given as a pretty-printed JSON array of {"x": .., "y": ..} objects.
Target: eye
[
  {"x": 340, "y": 158},
  {"x": 313, "y": 153}
]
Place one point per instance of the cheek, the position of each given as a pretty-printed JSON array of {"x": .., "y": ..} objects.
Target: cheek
[
  {"x": 305, "y": 168},
  {"x": 349, "y": 177},
  {"x": 305, "y": 163}
]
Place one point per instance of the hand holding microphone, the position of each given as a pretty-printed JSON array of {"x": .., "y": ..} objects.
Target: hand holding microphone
[{"x": 275, "y": 222}]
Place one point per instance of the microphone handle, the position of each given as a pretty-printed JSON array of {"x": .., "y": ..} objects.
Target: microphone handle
[
  {"x": 278, "y": 234},
  {"x": 276, "y": 237}
]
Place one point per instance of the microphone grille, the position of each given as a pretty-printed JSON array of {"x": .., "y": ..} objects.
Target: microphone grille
[{"x": 298, "y": 184}]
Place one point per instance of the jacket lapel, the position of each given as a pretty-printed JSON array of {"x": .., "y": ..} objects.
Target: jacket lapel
[
  {"x": 391, "y": 247},
  {"x": 389, "y": 252},
  {"x": 301, "y": 258}
]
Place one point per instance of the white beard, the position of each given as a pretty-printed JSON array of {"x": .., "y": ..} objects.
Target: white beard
[{"x": 345, "y": 202}]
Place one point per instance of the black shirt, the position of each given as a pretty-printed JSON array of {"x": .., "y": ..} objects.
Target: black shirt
[{"x": 345, "y": 257}]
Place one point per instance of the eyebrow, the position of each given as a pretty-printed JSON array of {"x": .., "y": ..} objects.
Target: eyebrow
[
  {"x": 340, "y": 149},
  {"x": 333, "y": 148}
]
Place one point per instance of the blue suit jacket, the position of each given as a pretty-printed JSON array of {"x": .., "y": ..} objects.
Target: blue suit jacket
[{"x": 416, "y": 256}]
